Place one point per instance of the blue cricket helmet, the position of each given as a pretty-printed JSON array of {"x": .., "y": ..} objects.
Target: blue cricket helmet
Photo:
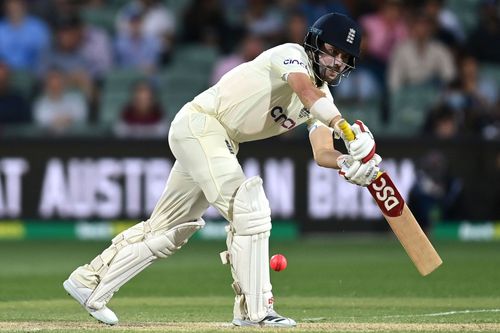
[{"x": 338, "y": 30}]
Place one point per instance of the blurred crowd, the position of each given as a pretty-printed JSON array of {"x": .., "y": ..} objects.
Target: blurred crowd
[{"x": 57, "y": 57}]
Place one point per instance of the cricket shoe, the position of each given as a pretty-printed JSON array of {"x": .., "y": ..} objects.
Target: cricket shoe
[
  {"x": 81, "y": 293},
  {"x": 273, "y": 319}
]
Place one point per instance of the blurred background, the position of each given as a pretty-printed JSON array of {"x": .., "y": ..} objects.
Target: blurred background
[{"x": 88, "y": 90}]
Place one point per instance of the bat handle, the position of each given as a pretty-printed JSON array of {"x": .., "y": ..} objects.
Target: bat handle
[
  {"x": 349, "y": 135},
  {"x": 346, "y": 129}
]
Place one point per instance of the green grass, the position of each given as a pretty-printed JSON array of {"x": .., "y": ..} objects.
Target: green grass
[{"x": 334, "y": 284}]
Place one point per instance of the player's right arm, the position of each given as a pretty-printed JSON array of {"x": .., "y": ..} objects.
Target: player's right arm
[
  {"x": 324, "y": 153},
  {"x": 289, "y": 63},
  {"x": 314, "y": 99},
  {"x": 323, "y": 109}
]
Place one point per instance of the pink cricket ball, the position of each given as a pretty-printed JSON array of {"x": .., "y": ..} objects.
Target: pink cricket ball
[{"x": 278, "y": 262}]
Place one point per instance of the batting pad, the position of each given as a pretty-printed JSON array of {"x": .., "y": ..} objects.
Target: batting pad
[
  {"x": 248, "y": 248},
  {"x": 134, "y": 256}
]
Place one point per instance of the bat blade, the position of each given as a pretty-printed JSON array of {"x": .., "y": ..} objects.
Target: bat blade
[
  {"x": 404, "y": 225},
  {"x": 415, "y": 242},
  {"x": 400, "y": 218}
]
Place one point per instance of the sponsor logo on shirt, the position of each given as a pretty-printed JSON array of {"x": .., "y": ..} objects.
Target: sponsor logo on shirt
[
  {"x": 281, "y": 118},
  {"x": 231, "y": 150},
  {"x": 294, "y": 62},
  {"x": 304, "y": 113}
]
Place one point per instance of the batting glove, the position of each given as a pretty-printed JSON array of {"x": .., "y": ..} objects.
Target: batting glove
[
  {"x": 363, "y": 147},
  {"x": 355, "y": 172}
]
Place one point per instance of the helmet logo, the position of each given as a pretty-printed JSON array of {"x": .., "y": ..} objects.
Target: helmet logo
[{"x": 351, "y": 35}]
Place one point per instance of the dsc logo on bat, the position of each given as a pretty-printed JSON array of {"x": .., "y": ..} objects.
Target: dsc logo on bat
[{"x": 387, "y": 196}]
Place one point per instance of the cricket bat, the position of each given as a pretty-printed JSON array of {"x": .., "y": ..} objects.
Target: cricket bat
[{"x": 400, "y": 218}]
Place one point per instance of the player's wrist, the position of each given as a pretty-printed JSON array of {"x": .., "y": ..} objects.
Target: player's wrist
[
  {"x": 313, "y": 127},
  {"x": 336, "y": 129},
  {"x": 324, "y": 110},
  {"x": 334, "y": 123}
]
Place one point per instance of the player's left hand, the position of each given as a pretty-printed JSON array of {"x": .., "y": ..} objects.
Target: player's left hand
[
  {"x": 363, "y": 147},
  {"x": 356, "y": 172}
]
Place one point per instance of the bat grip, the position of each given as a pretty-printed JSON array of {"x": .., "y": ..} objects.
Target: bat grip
[
  {"x": 349, "y": 135},
  {"x": 346, "y": 129}
]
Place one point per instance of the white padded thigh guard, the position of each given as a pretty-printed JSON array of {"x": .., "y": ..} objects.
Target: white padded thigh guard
[
  {"x": 248, "y": 247},
  {"x": 135, "y": 253}
]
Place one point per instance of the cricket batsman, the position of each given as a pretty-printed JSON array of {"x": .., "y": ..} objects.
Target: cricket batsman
[{"x": 282, "y": 88}]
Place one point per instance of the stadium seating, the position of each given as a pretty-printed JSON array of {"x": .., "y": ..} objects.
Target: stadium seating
[
  {"x": 190, "y": 67},
  {"x": 195, "y": 57},
  {"x": 491, "y": 71},
  {"x": 368, "y": 111},
  {"x": 116, "y": 92},
  {"x": 23, "y": 82},
  {"x": 466, "y": 11},
  {"x": 35, "y": 131},
  {"x": 409, "y": 107},
  {"x": 101, "y": 17},
  {"x": 178, "y": 87},
  {"x": 187, "y": 76}
]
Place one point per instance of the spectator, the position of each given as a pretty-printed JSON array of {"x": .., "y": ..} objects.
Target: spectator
[
  {"x": 436, "y": 194},
  {"x": 157, "y": 20},
  {"x": 250, "y": 47},
  {"x": 50, "y": 10},
  {"x": 420, "y": 59},
  {"x": 96, "y": 48},
  {"x": 474, "y": 99},
  {"x": 135, "y": 49},
  {"x": 13, "y": 107},
  {"x": 142, "y": 116},
  {"x": 362, "y": 85},
  {"x": 482, "y": 41},
  {"x": 235, "y": 10},
  {"x": 362, "y": 8},
  {"x": 263, "y": 20},
  {"x": 448, "y": 30},
  {"x": 23, "y": 38},
  {"x": 68, "y": 57},
  {"x": 443, "y": 123},
  {"x": 383, "y": 30},
  {"x": 211, "y": 28},
  {"x": 313, "y": 9},
  {"x": 81, "y": 44},
  {"x": 359, "y": 86},
  {"x": 296, "y": 28},
  {"x": 483, "y": 89},
  {"x": 58, "y": 109},
  {"x": 95, "y": 3}
]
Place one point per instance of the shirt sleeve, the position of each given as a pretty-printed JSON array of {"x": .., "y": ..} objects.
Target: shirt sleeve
[{"x": 290, "y": 58}]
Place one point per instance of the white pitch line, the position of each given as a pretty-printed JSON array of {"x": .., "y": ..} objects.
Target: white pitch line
[{"x": 437, "y": 314}]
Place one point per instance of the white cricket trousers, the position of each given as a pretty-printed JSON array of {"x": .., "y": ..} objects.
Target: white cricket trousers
[{"x": 206, "y": 172}]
